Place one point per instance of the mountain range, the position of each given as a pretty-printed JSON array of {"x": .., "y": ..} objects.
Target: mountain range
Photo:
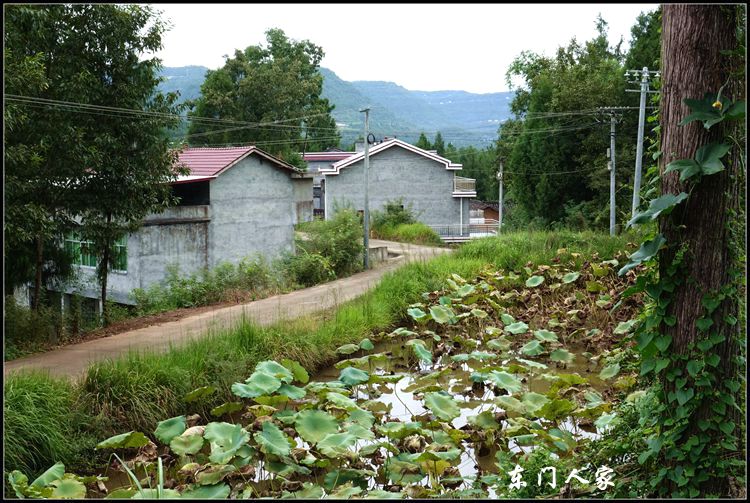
[{"x": 462, "y": 118}]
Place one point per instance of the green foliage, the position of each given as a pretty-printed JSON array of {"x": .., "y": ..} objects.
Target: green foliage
[
  {"x": 338, "y": 241},
  {"x": 395, "y": 212},
  {"x": 278, "y": 82},
  {"x": 397, "y": 222},
  {"x": 308, "y": 269}
]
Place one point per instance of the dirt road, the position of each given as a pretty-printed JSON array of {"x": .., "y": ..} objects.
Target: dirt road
[{"x": 73, "y": 360}]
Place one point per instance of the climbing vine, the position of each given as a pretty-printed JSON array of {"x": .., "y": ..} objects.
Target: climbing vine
[{"x": 693, "y": 435}]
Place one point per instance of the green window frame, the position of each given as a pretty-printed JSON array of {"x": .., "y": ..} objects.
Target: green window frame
[
  {"x": 81, "y": 250},
  {"x": 121, "y": 255}
]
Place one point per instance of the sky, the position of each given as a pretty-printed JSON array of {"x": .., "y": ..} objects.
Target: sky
[{"x": 422, "y": 47}]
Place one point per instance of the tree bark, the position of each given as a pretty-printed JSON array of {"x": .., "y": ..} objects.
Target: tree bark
[
  {"x": 693, "y": 37},
  {"x": 38, "y": 276}
]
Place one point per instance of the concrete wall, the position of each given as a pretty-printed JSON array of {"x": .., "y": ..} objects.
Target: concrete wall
[
  {"x": 253, "y": 208},
  {"x": 252, "y": 211},
  {"x": 397, "y": 172}
]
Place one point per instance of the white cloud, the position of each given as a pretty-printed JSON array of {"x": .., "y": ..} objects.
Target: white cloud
[{"x": 424, "y": 47}]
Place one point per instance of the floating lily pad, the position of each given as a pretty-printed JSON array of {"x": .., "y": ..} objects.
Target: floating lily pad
[{"x": 352, "y": 376}]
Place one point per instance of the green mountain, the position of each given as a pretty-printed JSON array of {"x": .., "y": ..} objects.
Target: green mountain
[{"x": 462, "y": 118}]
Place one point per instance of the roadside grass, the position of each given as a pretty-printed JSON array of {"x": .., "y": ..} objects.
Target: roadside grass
[
  {"x": 417, "y": 233},
  {"x": 139, "y": 390}
]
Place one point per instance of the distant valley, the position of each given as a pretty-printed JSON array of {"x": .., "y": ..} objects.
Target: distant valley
[{"x": 462, "y": 118}]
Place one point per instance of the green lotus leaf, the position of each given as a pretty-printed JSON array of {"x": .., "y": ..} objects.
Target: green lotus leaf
[
  {"x": 595, "y": 287},
  {"x": 275, "y": 369},
  {"x": 123, "y": 493},
  {"x": 482, "y": 355},
  {"x": 484, "y": 420},
  {"x": 545, "y": 335},
  {"x": 55, "y": 472},
  {"x": 531, "y": 363},
  {"x": 501, "y": 344},
  {"x": 420, "y": 350},
  {"x": 345, "y": 492},
  {"x": 534, "y": 281},
  {"x": 518, "y": 327},
  {"x": 609, "y": 371},
  {"x": 532, "y": 348},
  {"x": 226, "y": 408},
  {"x": 361, "y": 417},
  {"x": 286, "y": 468},
  {"x": 478, "y": 313},
  {"x": 347, "y": 349},
  {"x": 336, "y": 478},
  {"x": 465, "y": 290},
  {"x": 461, "y": 357},
  {"x": 366, "y": 344},
  {"x": 124, "y": 441},
  {"x": 510, "y": 403},
  {"x": 352, "y": 376},
  {"x": 213, "y": 492},
  {"x": 259, "y": 383},
  {"x": 507, "y": 319},
  {"x": 562, "y": 356},
  {"x": 417, "y": 314},
  {"x": 625, "y": 327},
  {"x": 606, "y": 421},
  {"x": 299, "y": 372},
  {"x": 556, "y": 409},
  {"x": 308, "y": 491},
  {"x": 534, "y": 401},
  {"x": 314, "y": 425},
  {"x": 443, "y": 406},
  {"x": 571, "y": 277},
  {"x": 442, "y": 314},
  {"x": 214, "y": 474},
  {"x": 200, "y": 393},
  {"x": 381, "y": 494},
  {"x": 504, "y": 380},
  {"x": 341, "y": 401},
  {"x": 152, "y": 494},
  {"x": 291, "y": 391},
  {"x": 169, "y": 428},
  {"x": 272, "y": 441},
  {"x": 593, "y": 399},
  {"x": 335, "y": 445},
  {"x": 68, "y": 488},
  {"x": 360, "y": 432},
  {"x": 189, "y": 444},
  {"x": 225, "y": 439}
]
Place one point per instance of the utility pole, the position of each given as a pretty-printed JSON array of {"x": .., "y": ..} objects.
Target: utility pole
[
  {"x": 367, "y": 183},
  {"x": 644, "y": 82},
  {"x": 612, "y": 133},
  {"x": 500, "y": 198}
]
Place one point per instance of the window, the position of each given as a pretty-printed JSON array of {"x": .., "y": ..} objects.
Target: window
[
  {"x": 121, "y": 254},
  {"x": 83, "y": 253}
]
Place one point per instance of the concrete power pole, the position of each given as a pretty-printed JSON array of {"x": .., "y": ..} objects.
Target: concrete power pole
[
  {"x": 367, "y": 184},
  {"x": 612, "y": 216},
  {"x": 500, "y": 198},
  {"x": 644, "y": 82}
]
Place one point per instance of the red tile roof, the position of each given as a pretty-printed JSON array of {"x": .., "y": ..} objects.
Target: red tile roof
[{"x": 211, "y": 161}]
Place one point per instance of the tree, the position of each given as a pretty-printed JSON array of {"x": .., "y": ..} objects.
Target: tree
[
  {"x": 277, "y": 89},
  {"x": 439, "y": 144},
  {"x": 97, "y": 171},
  {"x": 423, "y": 142},
  {"x": 697, "y": 43}
]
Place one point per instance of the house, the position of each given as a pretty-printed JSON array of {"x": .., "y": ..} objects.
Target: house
[
  {"x": 424, "y": 180},
  {"x": 315, "y": 162},
  {"x": 235, "y": 202},
  {"x": 485, "y": 212}
]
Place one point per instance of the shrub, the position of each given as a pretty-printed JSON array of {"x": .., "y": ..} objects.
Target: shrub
[
  {"x": 394, "y": 213},
  {"x": 28, "y": 330},
  {"x": 417, "y": 233},
  {"x": 308, "y": 269},
  {"x": 339, "y": 240}
]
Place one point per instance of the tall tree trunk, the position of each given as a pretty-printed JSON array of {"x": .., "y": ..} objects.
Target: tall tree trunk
[
  {"x": 693, "y": 37},
  {"x": 104, "y": 269},
  {"x": 38, "y": 276}
]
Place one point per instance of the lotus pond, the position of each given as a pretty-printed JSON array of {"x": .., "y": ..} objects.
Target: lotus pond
[{"x": 480, "y": 375}]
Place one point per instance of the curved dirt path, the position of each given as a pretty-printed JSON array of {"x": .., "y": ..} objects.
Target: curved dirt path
[{"x": 72, "y": 360}]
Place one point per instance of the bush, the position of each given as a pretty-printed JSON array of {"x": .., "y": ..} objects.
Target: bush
[
  {"x": 417, "y": 233},
  {"x": 339, "y": 240},
  {"x": 308, "y": 269},
  {"x": 394, "y": 213},
  {"x": 27, "y": 330}
]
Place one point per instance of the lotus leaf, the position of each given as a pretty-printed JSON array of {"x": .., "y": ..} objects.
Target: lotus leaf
[
  {"x": 216, "y": 491},
  {"x": 297, "y": 370},
  {"x": 518, "y": 327},
  {"x": 335, "y": 445},
  {"x": 336, "y": 478},
  {"x": 226, "y": 408},
  {"x": 484, "y": 420},
  {"x": 606, "y": 421},
  {"x": 417, "y": 314},
  {"x": 189, "y": 444},
  {"x": 200, "y": 393},
  {"x": 507, "y": 319},
  {"x": 442, "y": 314},
  {"x": 152, "y": 494},
  {"x": 292, "y": 392},
  {"x": 225, "y": 440},
  {"x": 259, "y": 383},
  {"x": 366, "y": 344},
  {"x": 556, "y": 409},
  {"x": 68, "y": 488},
  {"x": 534, "y": 281},
  {"x": 214, "y": 474},
  {"x": 124, "y": 441},
  {"x": 465, "y": 290},
  {"x": 308, "y": 491},
  {"x": 510, "y": 403},
  {"x": 168, "y": 429},
  {"x": 504, "y": 380},
  {"x": 314, "y": 425},
  {"x": 532, "y": 348},
  {"x": 531, "y": 363},
  {"x": 55, "y": 472},
  {"x": 501, "y": 344},
  {"x": 479, "y": 313},
  {"x": 625, "y": 327},
  {"x": 609, "y": 371},
  {"x": 275, "y": 369},
  {"x": 347, "y": 349},
  {"x": 561, "y": 355},
  {"x": 570, "y": 277},
  {"x": 442, "y": 405},
  {"x": 534, "y": 401},
  {"x": 345, "y": 492},
  {"x": 545, "y": 335},
  {"x": 420, "y": 350},
  {"x": 272, "y": 441}
]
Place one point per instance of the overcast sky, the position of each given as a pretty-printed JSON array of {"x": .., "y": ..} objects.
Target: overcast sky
[{"x": 424, "y": 47}]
